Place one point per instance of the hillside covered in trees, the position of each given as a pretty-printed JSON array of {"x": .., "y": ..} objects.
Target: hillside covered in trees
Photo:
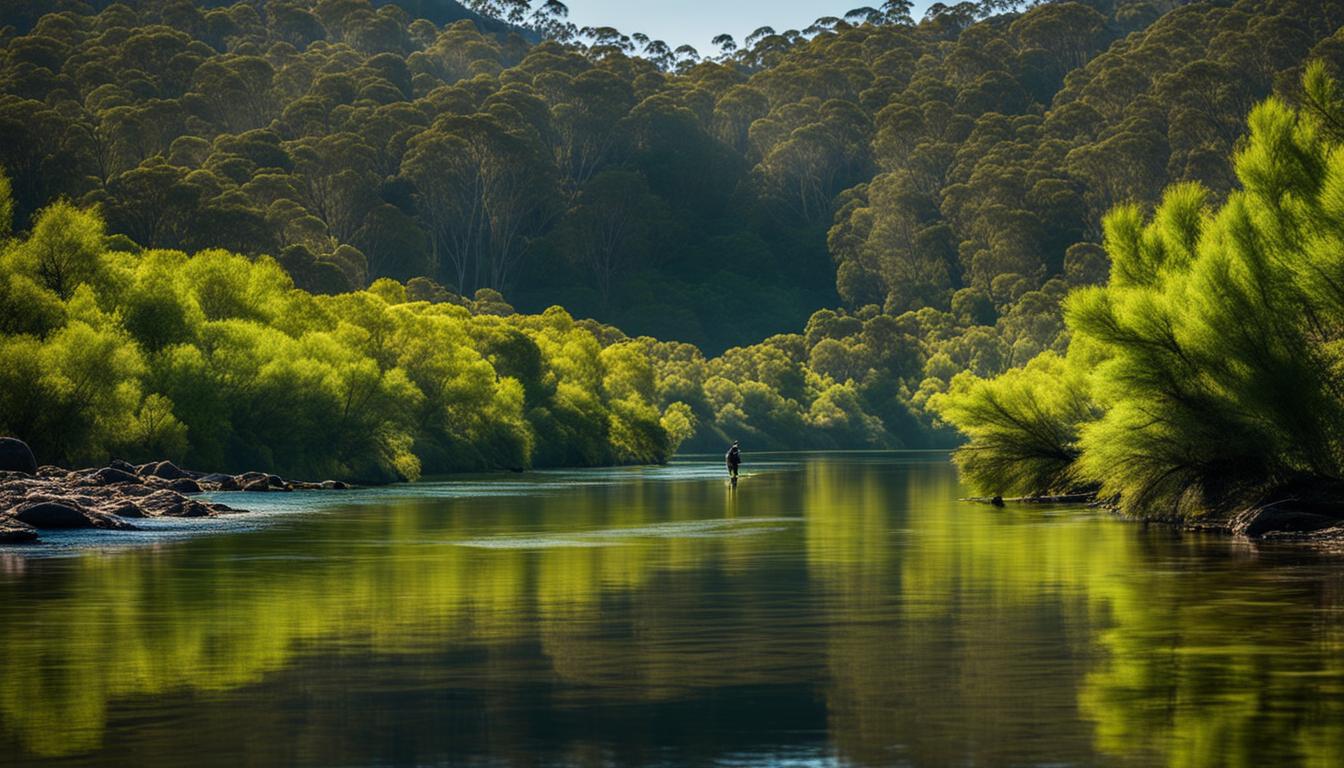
[{"x": 802, "y": 239}]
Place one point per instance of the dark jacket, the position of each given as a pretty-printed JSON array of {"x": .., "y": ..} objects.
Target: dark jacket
[{"x": 734, "y": 457}]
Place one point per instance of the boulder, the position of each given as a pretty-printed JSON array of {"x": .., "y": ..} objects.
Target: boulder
[
  {"x": 166, "y": 503},
  {"x": 113, "y": 476},
  {"x": 256, "y": 485},
  {"x": 51, "y": 514},
  {"x": 218, "y": 481},
  {"x": 162, "y": 503},
  {"x": 16, "y": 456},
  {"x": 14, "y": 532},
  {"x": 123, "y": 509},
  {"x": 184, "y": 485},
  {"x": 333, "y": 485},
  {"x": 54, "y": 515},
  {"x": 164, "y": 469},
  {"x": 1260, "y": 521},
  {"x": 193, "y": 508},
  {"x": 123, "y": 465}
]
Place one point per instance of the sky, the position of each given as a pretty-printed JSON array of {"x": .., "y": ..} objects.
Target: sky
[{"x": 698, "y": 21}]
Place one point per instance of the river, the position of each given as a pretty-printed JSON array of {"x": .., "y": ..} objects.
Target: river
[{"x": 833, "y": 610}]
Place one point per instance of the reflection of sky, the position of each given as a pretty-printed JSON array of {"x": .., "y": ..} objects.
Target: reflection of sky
[{"x": 698, "y": 21}]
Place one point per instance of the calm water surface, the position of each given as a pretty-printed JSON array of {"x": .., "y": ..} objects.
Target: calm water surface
[{"x": 837, "y": 609}]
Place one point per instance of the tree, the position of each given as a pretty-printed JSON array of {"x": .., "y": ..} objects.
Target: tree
[
  {"x": 610, "y": 229},
  {"x": 63, "y": 251},
  {"x": 6, "y": 207}
]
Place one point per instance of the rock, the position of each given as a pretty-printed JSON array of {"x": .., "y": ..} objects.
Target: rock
[
  {"x": 112, "y": 476},
  {"x": 193, "y": 508},
  {"x": 1255, "y": 523},
  {"x": 164, "y": 469},
  {"x": 166, "y": 503},
  {"x": 184, "y": 485},
  {"x": 223, "y": 483},
  {"x": 14, "y": 532},
  {"x": 16, "y": 456},
  {"x": 124, "y": 509},
  {"x": 105, "y": 497},
  {"x": 51, "y": 514},
  {"x": 333, "y": 485},
  {"x": 55, "y": 515},
  {"x": 124, "y": 466}
]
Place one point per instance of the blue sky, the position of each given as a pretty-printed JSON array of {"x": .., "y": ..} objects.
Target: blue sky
[{"x": 697, "y": 21}]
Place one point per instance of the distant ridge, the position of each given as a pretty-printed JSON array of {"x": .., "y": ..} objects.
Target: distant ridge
[
  {"x": 23, "y": 14},
  {"x": 445, "y": 12}
]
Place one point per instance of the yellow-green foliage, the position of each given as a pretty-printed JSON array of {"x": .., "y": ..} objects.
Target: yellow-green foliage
[
  {"x": 1215, "y": 365},
  {"x": 1022, "y": 425},
  {"x": 217, "y": 360}
]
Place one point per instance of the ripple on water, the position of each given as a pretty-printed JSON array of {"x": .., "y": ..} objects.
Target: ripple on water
[{"x": 611, "y": 537}]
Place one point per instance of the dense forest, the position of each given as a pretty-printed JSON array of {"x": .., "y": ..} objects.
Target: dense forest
[{"x": 803, "y": 239}]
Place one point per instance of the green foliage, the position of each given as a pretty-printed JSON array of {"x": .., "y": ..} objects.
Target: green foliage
[
  {"x": 943, "y": 181},
  {"x": 218, "y": 361},
  {"x": 1022, "y": 425},
  {"x": 1213, "y": 355},
  {"x": 6, "y": 206},
  {"x": 62, "y": 252}
]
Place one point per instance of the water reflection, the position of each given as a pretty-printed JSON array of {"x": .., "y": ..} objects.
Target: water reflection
[{"x": 831, "y": 610}]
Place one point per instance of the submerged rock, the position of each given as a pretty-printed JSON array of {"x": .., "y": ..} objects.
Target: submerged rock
[{"x": 16, "y": 456}]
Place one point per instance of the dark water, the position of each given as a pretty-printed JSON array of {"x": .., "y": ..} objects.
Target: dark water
[{"x": 834, "y": 610}]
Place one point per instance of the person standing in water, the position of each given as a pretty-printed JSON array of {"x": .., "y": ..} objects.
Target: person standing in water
[{"x": 733, "y": 459}]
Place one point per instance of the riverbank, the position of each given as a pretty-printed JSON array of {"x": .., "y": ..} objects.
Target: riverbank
[
  {"x": 35, "y": 498},
  {"x": 1276, "y": 521}
]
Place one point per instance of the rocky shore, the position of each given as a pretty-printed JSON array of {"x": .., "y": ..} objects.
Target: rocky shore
[{"x": 34, "y": 498}]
